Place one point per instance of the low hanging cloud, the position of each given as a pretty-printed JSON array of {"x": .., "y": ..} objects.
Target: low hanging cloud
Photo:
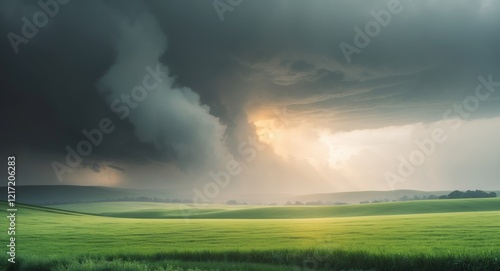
[
  {"x": 368, "y": 112},
  {"x": 139, "y": 89}
]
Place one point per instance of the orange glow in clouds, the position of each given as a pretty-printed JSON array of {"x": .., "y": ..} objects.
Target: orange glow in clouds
[
  {"x": 87, "y": 177},
  {"x": 271, "y": 128}
]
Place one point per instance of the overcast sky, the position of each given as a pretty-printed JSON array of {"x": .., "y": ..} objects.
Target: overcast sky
[{"x": 279, "y": 96}]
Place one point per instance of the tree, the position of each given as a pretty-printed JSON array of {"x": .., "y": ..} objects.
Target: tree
[
  {"x": 456, "y": 195},
  {"x": 319, "y": 202},
  {"x": 469, "y": 194},
  {"x": 231, "y": 202},
  {"x": 403, "y": 198}
]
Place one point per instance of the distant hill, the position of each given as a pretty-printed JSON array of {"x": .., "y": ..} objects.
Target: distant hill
[
  {"x": 356, "y": 197},
  {"x": 64, "y": 194},
  {"x": 217, "y": 211},
  {"x": 346, "y": 197}
]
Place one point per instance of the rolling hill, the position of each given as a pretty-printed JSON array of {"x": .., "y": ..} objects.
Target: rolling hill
[
  {"x": 217, "y": 211},
  {"x": 50, "y": 239},
  {"x": 63, "y": 194}
]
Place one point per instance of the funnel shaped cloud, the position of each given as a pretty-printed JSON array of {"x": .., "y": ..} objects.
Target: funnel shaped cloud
[{"x": 138, "y": 88}]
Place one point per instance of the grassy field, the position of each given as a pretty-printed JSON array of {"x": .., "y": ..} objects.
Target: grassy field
[
  {"x": 462, "y": 238},
  {"x": 166, "y": 210}
]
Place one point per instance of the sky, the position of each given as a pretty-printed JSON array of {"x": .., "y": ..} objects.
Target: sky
[{"x": 253, "y": 97}]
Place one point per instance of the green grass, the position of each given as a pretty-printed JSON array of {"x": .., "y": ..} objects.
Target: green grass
[
  {"x": 144, "y": 263},
  {"x": 49, "y": 239},
  {"x": 165, "y": 210}
]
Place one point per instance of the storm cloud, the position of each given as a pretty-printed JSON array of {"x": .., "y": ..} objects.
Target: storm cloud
[
  {"x": 270, "y": 70},
  {"x": 139, "y": 88}
]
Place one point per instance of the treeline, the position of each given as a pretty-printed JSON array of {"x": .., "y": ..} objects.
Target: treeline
[
  {"x": 319, "y": 202},
  {"x": 469, "y": 194},
  {"x": 135, "y": 199},
  {"x": 453, "y": 195},
  {"x": 147, "y": 199}
]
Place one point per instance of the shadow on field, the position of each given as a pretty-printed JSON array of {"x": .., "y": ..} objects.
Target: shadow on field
[{"x": 274, "y": 260}]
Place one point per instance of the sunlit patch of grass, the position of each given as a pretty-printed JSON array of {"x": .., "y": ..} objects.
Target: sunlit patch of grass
[
  {"x": 182, "y": 211},
  {"x": 53, "y": 240}
]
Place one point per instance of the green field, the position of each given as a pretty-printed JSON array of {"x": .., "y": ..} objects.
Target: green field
[
  {"x": 166, "y": 210},
  {"x": 422, "y": 235}
]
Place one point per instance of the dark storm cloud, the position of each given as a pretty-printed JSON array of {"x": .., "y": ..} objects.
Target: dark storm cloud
[
  {"x": 50, "y": 87},
  {"x": 426, "y": 59},
  {"x": 162, "y": 113},
  {"x": 265, "y": 53}
]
